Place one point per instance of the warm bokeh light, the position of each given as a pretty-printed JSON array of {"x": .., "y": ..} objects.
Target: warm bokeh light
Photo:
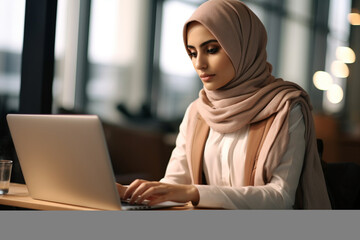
[
  {"x": 354, "y": 18},
  {"x": 322, "y": 80},
  {"x": 339, "y": 69},
  {"x": 345, "y": 54},
  {"x": 335, "y": 94}
]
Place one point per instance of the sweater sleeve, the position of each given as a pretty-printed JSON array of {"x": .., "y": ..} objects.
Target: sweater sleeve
[{"x": 279, "y": 193}]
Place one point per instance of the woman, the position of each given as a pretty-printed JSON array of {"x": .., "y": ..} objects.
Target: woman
[{"x": 226, "y": 43}]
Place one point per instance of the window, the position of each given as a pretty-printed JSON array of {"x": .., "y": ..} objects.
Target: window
[
  {"x": 12, "y": 15},
  {"x": 116, "y": 56},
  {"x": 11, "y": 37},
  {"x": 178, "y": 81},
  {"x": 337, "y": 39}
]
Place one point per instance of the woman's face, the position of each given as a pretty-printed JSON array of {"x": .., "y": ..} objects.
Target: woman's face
[{"x": 209, "y": 59}]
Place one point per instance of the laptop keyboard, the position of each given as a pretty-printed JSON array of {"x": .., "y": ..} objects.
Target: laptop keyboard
[{"x": 134, "y": 206}]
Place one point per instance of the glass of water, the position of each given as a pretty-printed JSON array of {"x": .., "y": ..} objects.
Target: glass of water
[{"x": 5, "y": 175}]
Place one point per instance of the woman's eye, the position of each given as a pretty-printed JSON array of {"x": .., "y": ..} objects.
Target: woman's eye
[
  {"x": 192, "y": 54},
  {"x": 212, "y": 50}
]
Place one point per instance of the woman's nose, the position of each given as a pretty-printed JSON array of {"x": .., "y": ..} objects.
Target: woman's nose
[{"x": 201, "y": 62}]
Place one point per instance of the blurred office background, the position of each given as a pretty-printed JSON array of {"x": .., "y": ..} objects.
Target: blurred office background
[{"x": 125, "y": 61}]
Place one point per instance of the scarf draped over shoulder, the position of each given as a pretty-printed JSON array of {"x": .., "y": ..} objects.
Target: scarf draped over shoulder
[{"x": 254, "y": 95}]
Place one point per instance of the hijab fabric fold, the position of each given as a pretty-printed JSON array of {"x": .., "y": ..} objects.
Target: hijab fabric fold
[{"x": 255, "y": 94}]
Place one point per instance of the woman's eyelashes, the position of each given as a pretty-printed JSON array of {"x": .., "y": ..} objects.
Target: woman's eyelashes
[
  {"x": 192, "y": 54},
  {"x": 209, "y": 50},
  {"x": 213, "y": 50}
]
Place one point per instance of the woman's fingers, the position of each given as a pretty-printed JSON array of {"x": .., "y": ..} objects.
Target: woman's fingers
[
  {"x": 132, "y": 187},
  {"x": 162, "y": 192},
  {"x": 151, "y": 192},
  {"x": 137, "y": 188},
  {"x": 156, "y": 192}
]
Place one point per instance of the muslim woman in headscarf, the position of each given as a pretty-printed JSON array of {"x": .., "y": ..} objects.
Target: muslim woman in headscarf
[{"x": 248, "y": 141}]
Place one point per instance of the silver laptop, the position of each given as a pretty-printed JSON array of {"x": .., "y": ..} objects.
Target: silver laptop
[{"x": 64, "y": 158}]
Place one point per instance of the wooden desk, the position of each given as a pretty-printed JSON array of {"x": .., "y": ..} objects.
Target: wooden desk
[{"x": 18, "y": 196}]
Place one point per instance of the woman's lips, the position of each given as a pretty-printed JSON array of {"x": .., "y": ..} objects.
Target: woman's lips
[{"x": 206, "y": 77}]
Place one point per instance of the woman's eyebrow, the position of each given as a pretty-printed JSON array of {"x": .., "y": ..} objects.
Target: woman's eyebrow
[{"x": 204, "y": 43}]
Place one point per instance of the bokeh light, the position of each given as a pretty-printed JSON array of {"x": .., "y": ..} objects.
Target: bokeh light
[
  {"x": 339, "y": 69},
  {"x": 335, "y": 94},
  {"x": 322, "y": 80},
  {"x": 345, "y": 54},
  {"x": 354, "y": 18}
]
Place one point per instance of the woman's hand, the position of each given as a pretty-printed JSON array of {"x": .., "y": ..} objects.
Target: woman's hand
[{"x": 157, "y": 192}]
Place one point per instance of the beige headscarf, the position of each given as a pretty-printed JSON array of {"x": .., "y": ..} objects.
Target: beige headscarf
[{"x": 254, "y": 94}]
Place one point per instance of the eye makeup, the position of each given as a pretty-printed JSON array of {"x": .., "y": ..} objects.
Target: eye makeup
[{"x": 211, "y": 46}]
